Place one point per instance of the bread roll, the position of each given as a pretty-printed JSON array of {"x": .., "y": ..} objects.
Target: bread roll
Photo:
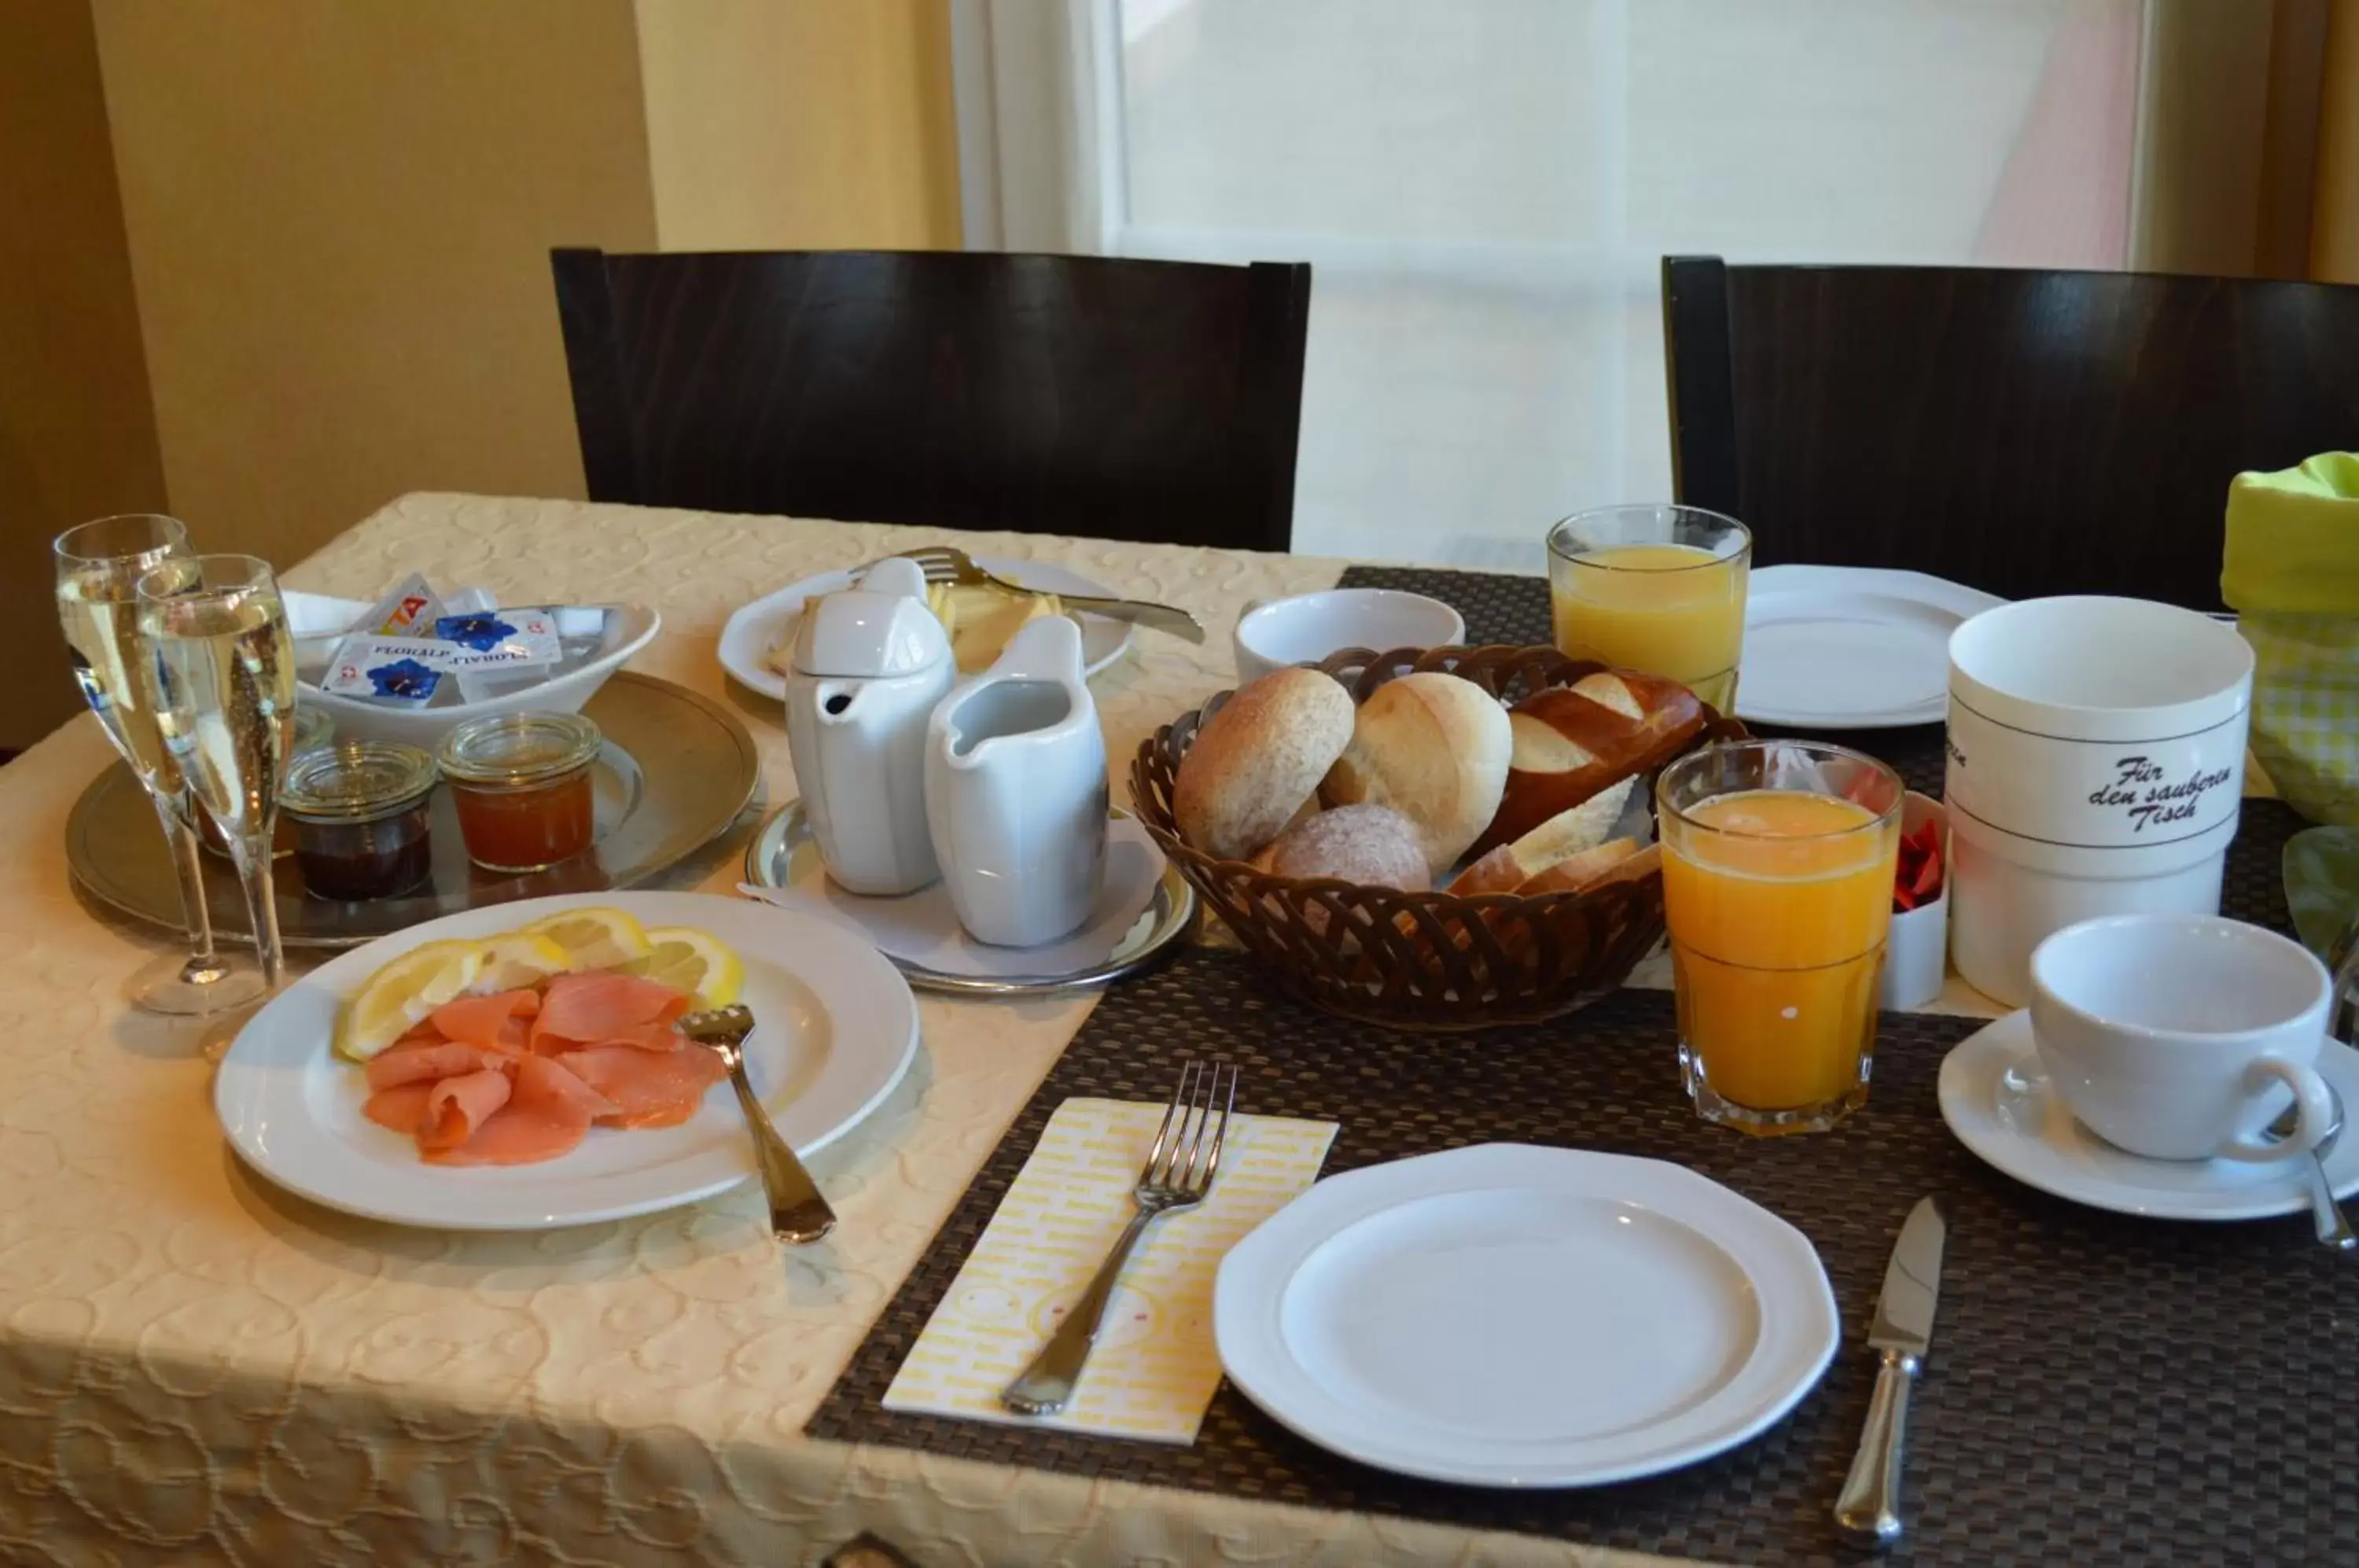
[
  {"x": 1568, "y": 834},
  {"x": 1373, "y": 845},
  {"x": 1578, "y": 872},
  {"x": 1259, "y": 760},
  {"x": 1568, "y": 743},
  {"x": 1434, "y": 748}
]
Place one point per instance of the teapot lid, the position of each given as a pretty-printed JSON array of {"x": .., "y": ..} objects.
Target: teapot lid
[{"x": 880, "y": 625}]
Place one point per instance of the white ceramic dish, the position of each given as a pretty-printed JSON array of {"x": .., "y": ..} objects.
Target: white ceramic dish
[
  {"x": 319, "y": 621},
  {"x": 2092, "y": 722},
  {"x": 768, "y": 621},
  {"x": 1850, "y": 648},
  {"x": 1996, "y": 1098},
  {"x": 1305, "y": 628},
  {"x": 1507, "y": 1315},
  {"x": 1916, "y": 952},
  {"x": 2010, "y": 893},
  {"x": 836, "y": 1029}
]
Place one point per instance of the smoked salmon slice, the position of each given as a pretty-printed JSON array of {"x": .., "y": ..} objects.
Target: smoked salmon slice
[
  {"x": 458, "y": 1108},
  {"x": 589, "y": 1009},
  {"x": 480, "y": 1020},
  {"x": 549, "y": 1109},
  {"x": 648, "y": 1089},
  {"x": 401, "y": 1108},
  {"x": 429, "y": 1061}
]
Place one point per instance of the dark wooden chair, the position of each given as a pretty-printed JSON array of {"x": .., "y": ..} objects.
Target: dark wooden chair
[
  {"x": 1117, "y": 398},
  {"x": 2023, "y": 432}
]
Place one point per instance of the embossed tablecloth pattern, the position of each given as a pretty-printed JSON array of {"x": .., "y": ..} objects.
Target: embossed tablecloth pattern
[{"x": 196, "y": 1368}]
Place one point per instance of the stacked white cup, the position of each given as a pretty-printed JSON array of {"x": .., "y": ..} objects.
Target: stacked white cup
[{"x": 2096, "y": 765}]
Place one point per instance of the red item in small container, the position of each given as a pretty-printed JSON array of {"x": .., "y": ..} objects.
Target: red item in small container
[{"x": 1919, "y": 881}]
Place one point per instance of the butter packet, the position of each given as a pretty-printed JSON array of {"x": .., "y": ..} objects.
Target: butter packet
[
  {"x": 497, "y": 652},
  {"x": 404, "y": 672},
  {"x": 409, "y": 611}
]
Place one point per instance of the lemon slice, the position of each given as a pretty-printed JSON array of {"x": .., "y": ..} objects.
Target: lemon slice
[
  {"x": 391, "y": 1001},
  {"x": 594, "y": 938},
  {"x": 692, "y": 961},
  {"x": 517, "y": 960}
]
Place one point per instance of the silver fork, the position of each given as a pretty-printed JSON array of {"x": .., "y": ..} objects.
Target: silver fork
[
  {"x": 947, "y": 563},
  {"x": 797, "y": 1213},
  {"x": 1178, "y": 1173}
]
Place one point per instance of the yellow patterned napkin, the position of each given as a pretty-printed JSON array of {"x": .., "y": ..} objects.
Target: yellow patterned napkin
[{"x": 1154, "y": 1368}]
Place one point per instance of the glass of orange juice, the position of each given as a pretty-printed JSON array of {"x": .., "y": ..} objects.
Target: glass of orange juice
[
  {"x": 1777, "y": 865},
  {"x": 1660, "y": 588}
]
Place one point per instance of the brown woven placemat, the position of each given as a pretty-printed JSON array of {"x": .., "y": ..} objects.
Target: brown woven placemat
[
  {"x": 2103, "y": 1391},
  {"x": 1500, "y": 608}
]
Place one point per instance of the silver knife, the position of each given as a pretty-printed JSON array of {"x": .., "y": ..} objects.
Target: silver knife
[{"x": 1868, "y": 1511}]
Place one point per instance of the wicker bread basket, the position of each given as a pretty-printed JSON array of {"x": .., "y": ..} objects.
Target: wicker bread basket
[{"x": 1421, "y": 961}]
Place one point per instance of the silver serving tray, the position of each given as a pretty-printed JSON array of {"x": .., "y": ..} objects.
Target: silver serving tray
[
  {"x": 784, "y": 852},
  {"x": 674, "y": 773}
]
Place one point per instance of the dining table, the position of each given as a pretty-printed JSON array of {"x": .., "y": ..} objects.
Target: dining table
[{"x": 196, "y": 1366}]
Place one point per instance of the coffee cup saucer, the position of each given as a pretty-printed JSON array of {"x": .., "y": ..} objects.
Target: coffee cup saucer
[{"x": 1995, "y": 1096}]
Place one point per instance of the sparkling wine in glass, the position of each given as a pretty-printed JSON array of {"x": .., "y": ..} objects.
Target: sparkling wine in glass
[
  {"x": 221, "y": 674},
  {"x": 99, "y": 565}
]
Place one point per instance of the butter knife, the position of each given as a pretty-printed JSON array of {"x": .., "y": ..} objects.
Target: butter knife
[{"x": 1867, "y": 1513}]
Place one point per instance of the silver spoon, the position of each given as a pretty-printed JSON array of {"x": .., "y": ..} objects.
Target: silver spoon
[{"x": 2333, "y": 1229}]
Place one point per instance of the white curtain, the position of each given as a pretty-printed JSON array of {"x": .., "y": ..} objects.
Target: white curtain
[{"x": 1486, "y": 187}]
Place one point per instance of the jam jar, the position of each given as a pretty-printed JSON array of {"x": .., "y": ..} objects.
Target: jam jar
[
  {"x": 521, "y": 782},
  {"x": 362, "y": 824},
  {"x": 312, "y": 729}
]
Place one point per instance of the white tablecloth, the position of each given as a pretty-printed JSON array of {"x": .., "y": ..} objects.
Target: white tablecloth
[{"x": 196, "y": 1367}]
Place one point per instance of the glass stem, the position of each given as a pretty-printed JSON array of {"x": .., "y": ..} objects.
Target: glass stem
[
  {"x": 204, "y": 963},
  {"x": 251, "y": 853}
]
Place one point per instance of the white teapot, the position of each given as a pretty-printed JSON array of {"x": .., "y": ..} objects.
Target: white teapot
[
  {"x": 1015, "y": 791},
  {"x": 870, "y": 663}
]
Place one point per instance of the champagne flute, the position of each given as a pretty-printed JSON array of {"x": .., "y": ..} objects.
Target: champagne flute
[
  {"x": 221, "y": 670},
  {"x": 99, "y": 565}
]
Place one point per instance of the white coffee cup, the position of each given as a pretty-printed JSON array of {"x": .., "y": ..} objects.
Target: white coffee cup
[
  {"x": 1306, "y": 627},
  {"x": 2095, "y": 722},
  {"x": 2175, "y": 1036}
]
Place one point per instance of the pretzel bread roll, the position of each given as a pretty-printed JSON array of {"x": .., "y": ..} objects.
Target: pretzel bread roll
[
  {"x": 1570, "y": 743},
  {"x": 1433, "y": 748},
  {"x": 1259, "y": 760}
]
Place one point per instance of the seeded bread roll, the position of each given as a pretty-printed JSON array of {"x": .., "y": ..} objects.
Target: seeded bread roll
[
  {"x": 1257, "y": 761},
  {"x": 1434, "y": 748}
]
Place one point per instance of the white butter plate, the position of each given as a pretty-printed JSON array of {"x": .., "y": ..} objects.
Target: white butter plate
[
  {"x": 1995, "y": 1096},
  {"x": 1850, "y": 648},
  {"x": 757, "y": 628},
  {"x": 835, "y": 1027},
  {"x": 1508, "y": 1316}
]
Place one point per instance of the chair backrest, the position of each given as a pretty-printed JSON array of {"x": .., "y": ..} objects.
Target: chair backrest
[
  {"x": 2023, "y": 432},
  {"x": 1123, "y": 399}
]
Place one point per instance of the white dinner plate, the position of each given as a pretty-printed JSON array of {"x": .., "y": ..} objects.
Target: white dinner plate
[
  {"x": 1995, "y": 1097},
  {"x": 1508, "y": 1316},
  {"x": 1850, "y": 648},
  {"x": 835, "y": 1027},
  {"x": 757, "y": 627}
]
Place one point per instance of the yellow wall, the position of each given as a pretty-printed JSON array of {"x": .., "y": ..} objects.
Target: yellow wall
[
  {"x": 77, "y": 433},
  {"x": 2334, "y": 221},
  {"x": 340, "y": 217},
  {"x": 789, "y": 124}
]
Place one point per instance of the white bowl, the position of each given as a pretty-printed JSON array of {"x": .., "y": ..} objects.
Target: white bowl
[
  {"x": 2010, "y": 893},
  {"x": 318, "y": 622},
  {"x": 1308, "y": 628},
  {"x": 1917, "y": 950},
  {"x": 2095, "y": 721}
]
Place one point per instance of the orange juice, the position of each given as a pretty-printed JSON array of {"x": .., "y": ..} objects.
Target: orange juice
[
  {"x": 1778, "y": 901},
  {"x": 1668, "y": 609}
]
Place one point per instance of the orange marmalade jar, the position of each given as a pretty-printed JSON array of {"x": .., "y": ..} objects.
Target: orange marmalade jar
[{"x": 521, "y": 784}]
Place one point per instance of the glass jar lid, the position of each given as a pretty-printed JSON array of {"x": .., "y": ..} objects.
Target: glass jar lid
[
  {"x": 514, "y": 751},
  {"x": 356, "y": 781}
]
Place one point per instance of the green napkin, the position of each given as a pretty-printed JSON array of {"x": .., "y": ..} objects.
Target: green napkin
[
  {"x": 2292, "y": 568},
  {"x": 2293, "y": 538}
]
